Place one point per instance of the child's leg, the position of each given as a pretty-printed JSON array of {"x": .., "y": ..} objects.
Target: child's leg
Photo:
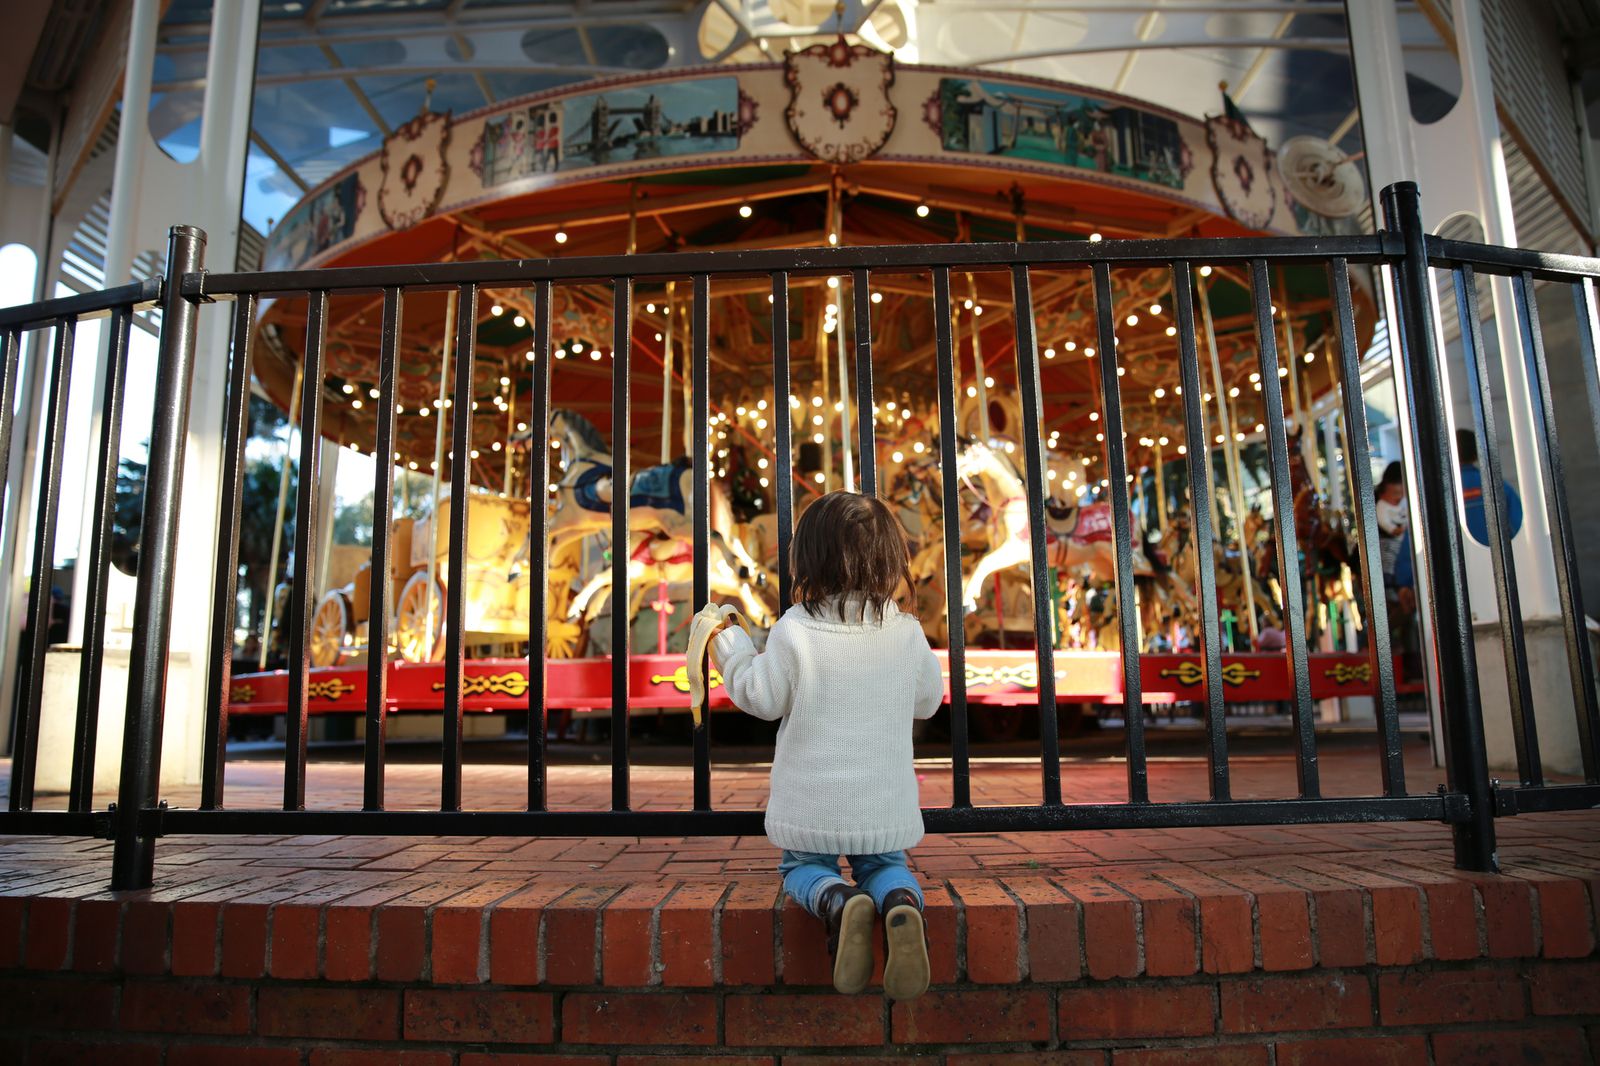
[
  {"x": 813, "y": 881},
  {"x": 807, "y": 875},
  {"x": 880, "y": 874},
  {"x": 896, "y": 893}
]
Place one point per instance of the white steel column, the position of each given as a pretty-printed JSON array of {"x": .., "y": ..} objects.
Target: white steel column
[
  {"x": 150, "y": 193},
  {"x": 15, "y": 542},
  {"x": 1378, "y": 64},
  {"x": 1531, "y": 546},
  {"x": 132, "y": 136}
]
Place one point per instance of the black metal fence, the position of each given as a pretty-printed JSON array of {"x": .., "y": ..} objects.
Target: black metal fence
[{"x": 1469, "y": 802}]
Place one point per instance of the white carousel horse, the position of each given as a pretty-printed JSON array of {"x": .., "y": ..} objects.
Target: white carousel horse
[{"x": 1079, "y": 537}]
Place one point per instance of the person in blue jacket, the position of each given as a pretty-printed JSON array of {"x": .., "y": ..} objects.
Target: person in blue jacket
[{"x": 1472, "y": 491}]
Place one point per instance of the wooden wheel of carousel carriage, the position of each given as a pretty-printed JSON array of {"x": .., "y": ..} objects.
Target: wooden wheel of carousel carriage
[{"x": 716, "y": 159}]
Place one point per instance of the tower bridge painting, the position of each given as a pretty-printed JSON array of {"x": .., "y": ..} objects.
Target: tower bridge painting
[
  {"x": 996, "y": 118},
  {"x": 626, "y": 124}
]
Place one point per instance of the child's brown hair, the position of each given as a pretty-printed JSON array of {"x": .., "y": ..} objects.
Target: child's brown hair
[{"x": 848, "y": 544}]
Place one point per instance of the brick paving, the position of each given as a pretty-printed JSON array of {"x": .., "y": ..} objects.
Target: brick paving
[{"x": 1229, "y": 854}]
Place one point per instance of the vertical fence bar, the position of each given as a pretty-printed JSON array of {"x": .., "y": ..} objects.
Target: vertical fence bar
[
  {"x": 700, "y": 436},
  {"x": 621, "y": 538},
  {"x": 1199, "y": 459},
  {"x": 950, "y": 507},
  {"x": 1117, "y": 471},
  {"x": 225, "y": 586},
  {"x": 25, "y": 746},
  {"x": 1587, "y": 310},
  {"x": 1043, "y": 600},
  {"x": 1580, "y": 660},
  {"x": 1294, "y": 618},
  {"x": 783, "y": 424},
  {"x": 866, "y": 419},
  {"x": 455, "y": 594},
  {"x": 382, "y": 572},
  {"x": 1519, "y": 689},
  {"x": 86, "y": 733},
  {"x": 1392, "y": 761},
  {"x": 133, "y": 854},
  {"x": 303, "y": 601},
  {"x": 539, "y": 541},
  {"x": 1457, "y": 665},
  {"x": 10, "y": 359}
]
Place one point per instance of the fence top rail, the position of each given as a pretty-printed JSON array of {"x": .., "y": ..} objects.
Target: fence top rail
[
  {"x": 896, "y": 259},
  {"x": 1494, "y": 259},
  {"x": 96, "y": 304}
]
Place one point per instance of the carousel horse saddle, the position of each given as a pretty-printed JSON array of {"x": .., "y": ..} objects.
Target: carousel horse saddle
[
  {"x": 660, "y": 486},
  {"x": 705, "y": 623},
  {"x": 656, "y": 486}
]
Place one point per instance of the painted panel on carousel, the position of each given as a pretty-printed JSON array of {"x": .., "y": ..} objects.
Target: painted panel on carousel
[
  {"x": 987, "y": 117},
  {"x": 633, "y": 124},
  {"x": 836, "y": 103}
]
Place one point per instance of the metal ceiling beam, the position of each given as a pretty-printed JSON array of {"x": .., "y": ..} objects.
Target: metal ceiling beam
[
  {"x": 428, "y": 69},
  {"x": 283, "y": 164},
  {"x": 1260, "y": 61},
  {"x": 1312, "y": 44},
  {"x": 355, "y": 90},
  {"x": 386, "y": 27}
]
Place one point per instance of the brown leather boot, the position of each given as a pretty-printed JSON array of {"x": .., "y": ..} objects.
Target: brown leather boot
[
  {"x": 905, "y": 969},
  {"x": 847, "y": 912}
]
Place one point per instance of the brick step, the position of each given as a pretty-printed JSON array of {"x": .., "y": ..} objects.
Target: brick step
[
  {"x": 1484, "y": 1012},
  {"x": 1124, "y": 922},
  {"x": 1303, "y": 961}
]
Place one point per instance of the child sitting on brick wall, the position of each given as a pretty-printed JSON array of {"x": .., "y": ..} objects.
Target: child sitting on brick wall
[{"x": 844, "y": 673}]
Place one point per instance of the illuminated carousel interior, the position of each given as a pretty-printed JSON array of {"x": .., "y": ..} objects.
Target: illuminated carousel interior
[{"x": 818, "y": 204}]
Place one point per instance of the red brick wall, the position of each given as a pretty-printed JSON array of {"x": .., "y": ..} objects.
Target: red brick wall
[{"x": 1122, "y": 969}]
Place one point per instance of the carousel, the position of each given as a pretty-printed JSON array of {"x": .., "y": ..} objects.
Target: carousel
[{"x": 835, "y": 145}]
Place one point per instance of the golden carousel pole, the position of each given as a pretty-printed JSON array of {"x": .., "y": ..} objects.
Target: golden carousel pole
[
  {"x": 633, "y": 217},
  {"x": 1230, "y": 457},
  {"x": 438, "y": 455},
  {"x": 687, "y": 381},
  {"x": 1308, "y": 450},
  {"x": 511, "y": 426},
  {"x": 1307, "y": 445},
  {"x": 1161, "y": 479},
  {"x": 277, "y": 522},
  {"x": 666, "y": 381},
  {"x": 835, "y": 236},
  {"x": 822, "y": 365}
]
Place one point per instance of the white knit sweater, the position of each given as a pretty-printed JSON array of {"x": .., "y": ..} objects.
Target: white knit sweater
[{"x": 843, "y": 781}]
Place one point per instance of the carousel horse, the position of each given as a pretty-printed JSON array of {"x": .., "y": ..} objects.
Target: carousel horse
[
  {"x": 1328, "y": 559},
  {"x": 658, "y": 558},
  {"x": 1078, "y": 537},
  {"x": 660, "y": 521},
  {"x": 660, "y": 497},
  {"x": 1179, "y": 546}
]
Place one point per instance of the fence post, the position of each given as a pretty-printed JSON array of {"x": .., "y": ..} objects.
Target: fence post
[
  {"x": 133, "y": 858},
  {"x": 1466, "y": 763}
]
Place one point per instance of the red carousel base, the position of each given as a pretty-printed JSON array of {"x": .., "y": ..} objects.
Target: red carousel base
[{"x": 993, "y": 677}]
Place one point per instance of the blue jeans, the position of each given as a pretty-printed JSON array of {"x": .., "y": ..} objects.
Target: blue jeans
[{"x": 807, "y": 874}]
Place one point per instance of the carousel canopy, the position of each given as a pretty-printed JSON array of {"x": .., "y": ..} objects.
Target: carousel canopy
[{"x": 732, "y": 159}]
